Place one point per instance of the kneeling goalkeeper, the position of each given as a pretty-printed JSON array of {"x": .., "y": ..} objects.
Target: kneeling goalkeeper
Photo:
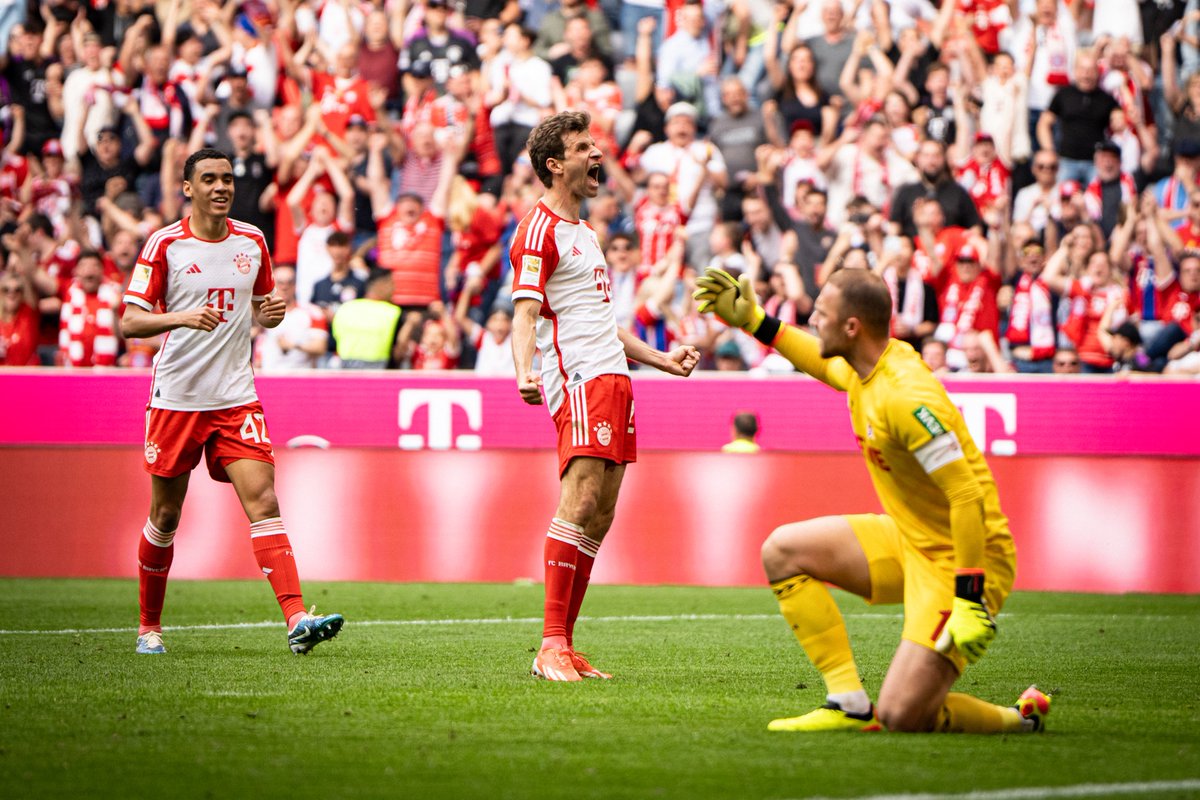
[{"x": 942, "y": 547}]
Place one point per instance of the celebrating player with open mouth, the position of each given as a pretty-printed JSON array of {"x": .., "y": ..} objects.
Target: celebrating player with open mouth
[
  {"x": 942, "y": 547},
  {"x": 212, "y": 277},
  {"x": 562, "y": 304}
]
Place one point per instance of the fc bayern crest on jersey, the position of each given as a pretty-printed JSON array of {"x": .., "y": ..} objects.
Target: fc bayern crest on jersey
[
  {"x": 603, "y": 433},
  {"x": 152, "y": 451},
  {"x": 243, "y": 263}
]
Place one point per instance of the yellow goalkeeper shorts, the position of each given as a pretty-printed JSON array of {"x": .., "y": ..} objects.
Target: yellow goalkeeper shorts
[{"x": 922, "y": 581}]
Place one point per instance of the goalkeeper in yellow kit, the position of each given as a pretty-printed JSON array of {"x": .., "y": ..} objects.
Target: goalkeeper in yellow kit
[{"x": 942, "y": 547}]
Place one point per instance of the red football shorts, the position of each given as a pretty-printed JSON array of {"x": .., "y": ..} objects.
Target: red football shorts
[
  {"x": 596, "y": 419},
  {"x": 175, "y": 439}
]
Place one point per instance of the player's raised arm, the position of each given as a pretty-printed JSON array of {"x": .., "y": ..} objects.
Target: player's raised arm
[
  {"x": 734, "y": 302},
  {"x": 679, "y": 361}
]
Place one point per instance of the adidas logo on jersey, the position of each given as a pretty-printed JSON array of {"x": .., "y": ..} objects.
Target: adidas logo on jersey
[
  {"x": 575, "y": 251},
  {"x": 194, "y": 269}
]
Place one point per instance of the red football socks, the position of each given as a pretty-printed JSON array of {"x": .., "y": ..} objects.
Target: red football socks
[
  {"x": 583, "y": 574},
  {"x": 273, "y": 552},
  {"x": 155, "y": 551},
  {"x": 561, "y": 553}
]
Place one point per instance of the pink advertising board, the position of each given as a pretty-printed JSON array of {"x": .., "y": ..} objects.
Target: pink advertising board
[{"x": 457, "y": 411}]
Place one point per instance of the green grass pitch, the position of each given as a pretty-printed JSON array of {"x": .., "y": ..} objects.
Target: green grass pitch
[{"x": 406, "y": 702}]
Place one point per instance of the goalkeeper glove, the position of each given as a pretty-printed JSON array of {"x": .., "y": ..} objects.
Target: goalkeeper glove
[
  {"x": 731, "y": 300},
  {"x": 970, "y": 626}
]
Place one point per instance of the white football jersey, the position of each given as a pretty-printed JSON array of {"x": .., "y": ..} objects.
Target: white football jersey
[
  {"x": 560, "y": 264},
  {"x": 197, "y": 370}
]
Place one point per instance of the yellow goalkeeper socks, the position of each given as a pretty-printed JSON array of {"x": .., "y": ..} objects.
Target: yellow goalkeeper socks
[
  {"x": 809, "y": 609},
  {"x": 962, "y": 713}
]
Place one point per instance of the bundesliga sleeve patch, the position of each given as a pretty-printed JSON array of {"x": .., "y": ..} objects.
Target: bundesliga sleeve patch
[
  {"x": 531, "y": 270},
  {"x": 928, "y": 421},
  {"x": 140, "y": 281}
]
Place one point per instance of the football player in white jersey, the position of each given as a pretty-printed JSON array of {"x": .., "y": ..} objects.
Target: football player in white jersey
[
  {"x": 563, "y": 308},
  {"x": 211, "y": 277}
]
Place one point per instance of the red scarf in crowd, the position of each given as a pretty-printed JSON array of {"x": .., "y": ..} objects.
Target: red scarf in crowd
[
  {"x": 73, "y": 340},
  {"x": 1031, "y": 322}
]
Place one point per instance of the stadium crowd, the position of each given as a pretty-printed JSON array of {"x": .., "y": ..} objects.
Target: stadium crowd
[{"x": 1022, "y": 174}]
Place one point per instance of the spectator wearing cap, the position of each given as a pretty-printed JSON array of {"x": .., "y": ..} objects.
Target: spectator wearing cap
[
  {"x": 933, "y": 181},
  {"x": 1172, "y": 192},
  {"x": 52, "y": 191},
  {"x": 518, "y": 92},
  {"x": 86, "y": 95},
  {"x": 688, "y": 61},
  {"x": 438, "y": 46},
  {"x": 409, "y": 231},
  {"x": 1039, "y": 203},
  {"x": 1110, "y": 189},
  {"x": 1081, "y": 112},
  {"x": 737, "y": 132},
  {"x": 551, "y": 40},
  {"x": 694, "y": 163},
  {"x": 1124, "y": 344},
  {"x": 967, "y": 292},
  {"x": 984, "y": 175}
]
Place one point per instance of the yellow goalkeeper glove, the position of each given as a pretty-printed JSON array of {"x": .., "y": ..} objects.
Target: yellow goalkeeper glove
[
  {"x": 731, "y": 300},
  {"x": 970, "y": 626}
]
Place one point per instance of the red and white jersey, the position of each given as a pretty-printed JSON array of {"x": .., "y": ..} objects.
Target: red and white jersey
[
  {"x": 655, "y": 226},
  {"x": 177, "y": 270},
  {"x": 988, "y": 18},
  {"x": 14, "y": 171},
  {"x": 985, "y": 183},
  {"x": 560, "y": 264}
]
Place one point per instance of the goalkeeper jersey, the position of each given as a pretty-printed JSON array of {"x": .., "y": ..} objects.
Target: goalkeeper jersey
[{"x": 907, "y": 428}]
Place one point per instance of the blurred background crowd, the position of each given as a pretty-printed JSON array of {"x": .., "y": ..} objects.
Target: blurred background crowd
[{"x": 1022, "y": 174}]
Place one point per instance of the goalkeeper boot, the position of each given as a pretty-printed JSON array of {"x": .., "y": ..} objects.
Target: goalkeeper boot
[
  {"x": 311, "y": 630},
  {"x": 585, "y": 669},
  {"x": 150, "y": 643},
  {"x": 829, "y": 717},
  {"x": 1034, "y": 706},
  {"x": 554, "y": 664}
]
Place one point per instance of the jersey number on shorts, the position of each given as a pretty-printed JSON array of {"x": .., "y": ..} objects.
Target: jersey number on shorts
[{"x": 257, "y": 432}]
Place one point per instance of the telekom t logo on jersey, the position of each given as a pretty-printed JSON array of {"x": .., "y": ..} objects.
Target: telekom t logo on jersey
[
  {"x": 440, "y": 405},
  {"x": 222, "y": 301}
]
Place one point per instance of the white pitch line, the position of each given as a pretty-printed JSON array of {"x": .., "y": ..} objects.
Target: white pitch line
[
  {"x": 1039, "y": 792},
  {"x": 523, "y": 621}
]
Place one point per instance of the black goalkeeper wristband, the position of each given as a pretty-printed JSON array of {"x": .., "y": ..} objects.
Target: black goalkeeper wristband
[
  {"x": 768, "y": 329},
  {"x": 968, "y": 584}
]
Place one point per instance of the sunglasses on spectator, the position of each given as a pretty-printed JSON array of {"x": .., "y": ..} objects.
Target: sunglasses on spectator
[
  {"x": 10, "y": 289},
  {"x": 1069, "y": 362},
  {"x": 1046, "y": 165}
]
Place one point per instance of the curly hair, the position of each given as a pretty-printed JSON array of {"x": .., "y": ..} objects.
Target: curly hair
[{"x": 547, "y": 140}]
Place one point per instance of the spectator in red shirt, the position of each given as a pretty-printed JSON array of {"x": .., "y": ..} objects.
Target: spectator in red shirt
[
  {"x": 967, "y": 298},
  {"x": 18, "y": 322},
  {"x": 409, "y": 232},
  {"x": 1089, "y": 297}
]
